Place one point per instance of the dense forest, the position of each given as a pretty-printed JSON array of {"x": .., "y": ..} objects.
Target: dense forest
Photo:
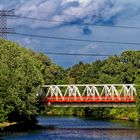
[{"x": 23, "y": 72}]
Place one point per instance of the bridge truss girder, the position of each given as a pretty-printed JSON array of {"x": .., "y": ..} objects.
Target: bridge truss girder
[{"x": 97, "y": 90}]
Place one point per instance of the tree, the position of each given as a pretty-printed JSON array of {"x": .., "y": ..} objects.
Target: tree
[
  {"x": 76, "y": 72},
  {"x": 20, "y": 82},
  {"x": 52, "y": 73}
]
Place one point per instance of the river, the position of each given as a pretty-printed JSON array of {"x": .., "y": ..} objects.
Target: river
[{"x": 73, "y": 128}]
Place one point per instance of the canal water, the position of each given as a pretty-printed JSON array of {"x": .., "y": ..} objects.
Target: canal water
[{"x": 73, "y": 128}]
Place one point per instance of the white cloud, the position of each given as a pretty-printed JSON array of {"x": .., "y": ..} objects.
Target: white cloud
[{"x": 71, "y": 11}]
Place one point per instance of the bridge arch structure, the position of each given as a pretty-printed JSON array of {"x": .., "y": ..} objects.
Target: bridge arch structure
[{"x": 90, "y": 95}]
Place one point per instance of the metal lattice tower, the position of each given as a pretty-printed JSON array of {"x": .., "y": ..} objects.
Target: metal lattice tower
[{"x": 3, "y": 23}]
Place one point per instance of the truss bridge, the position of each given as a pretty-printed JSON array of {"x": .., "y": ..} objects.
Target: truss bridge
[{"x": 90, "y": 95}]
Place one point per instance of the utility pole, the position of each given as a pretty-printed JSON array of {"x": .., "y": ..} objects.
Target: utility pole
[{"x": 3, "y": 23}]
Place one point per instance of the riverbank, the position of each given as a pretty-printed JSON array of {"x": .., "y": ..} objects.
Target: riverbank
[
  {"x": 5, "y": 124},
  {"x": 95, "y": 113}
]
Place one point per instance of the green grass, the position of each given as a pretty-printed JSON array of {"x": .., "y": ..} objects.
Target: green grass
[{"x": 4, "y": 124}]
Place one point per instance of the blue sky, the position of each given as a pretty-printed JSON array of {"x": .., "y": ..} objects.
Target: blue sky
[{"x": 103, "y": 12}]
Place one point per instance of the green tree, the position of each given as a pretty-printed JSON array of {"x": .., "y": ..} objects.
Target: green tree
[
  {"x": 76, "y": 72},
  {"x": 52, "y": 73},
  {"x": 20, "y": 82}
]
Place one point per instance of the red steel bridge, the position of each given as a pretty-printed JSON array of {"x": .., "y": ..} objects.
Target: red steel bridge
[{"x": 90, "y": 95}]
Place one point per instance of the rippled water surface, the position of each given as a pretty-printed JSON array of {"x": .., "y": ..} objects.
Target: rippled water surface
[{"x": 72, "y": 128}]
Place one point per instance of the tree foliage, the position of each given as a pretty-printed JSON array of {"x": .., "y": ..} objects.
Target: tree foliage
[
  {"x": 115, "y": 69},
  {"x": 52, "y": 73},
  {"x": 20, "y": 81}
]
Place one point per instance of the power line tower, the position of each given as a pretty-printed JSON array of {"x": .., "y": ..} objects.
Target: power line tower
[{"x": 3, "y": 23}]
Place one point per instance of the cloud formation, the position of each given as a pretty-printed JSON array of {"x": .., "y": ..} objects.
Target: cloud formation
[
  {"x": 73, "y": 11},
  {"x": 118, "y": 12}
]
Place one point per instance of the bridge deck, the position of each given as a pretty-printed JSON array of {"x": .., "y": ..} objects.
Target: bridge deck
[{"x": 89, "y": 101}]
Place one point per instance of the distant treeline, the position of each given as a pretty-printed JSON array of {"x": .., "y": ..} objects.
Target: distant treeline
[{"x": 23, "y": 72}]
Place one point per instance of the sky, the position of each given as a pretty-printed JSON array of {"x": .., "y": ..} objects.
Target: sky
[{"x": 70, "y": 14}]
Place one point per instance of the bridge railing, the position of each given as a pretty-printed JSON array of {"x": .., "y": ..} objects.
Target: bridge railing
[{"x": 91, "y": 93}]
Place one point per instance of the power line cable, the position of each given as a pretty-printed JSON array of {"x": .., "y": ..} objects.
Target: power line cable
[
  {"x": 80, "y": 24},
  {"x": 76, "y": 39},
  {"x": 77, "y": 54}
]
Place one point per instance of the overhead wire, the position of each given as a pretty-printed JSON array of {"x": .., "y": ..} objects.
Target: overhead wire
[
  {"x": 80, "y": 24},
  {"x": 75, "y": 39},
  {"x": 78, "y": 54}
]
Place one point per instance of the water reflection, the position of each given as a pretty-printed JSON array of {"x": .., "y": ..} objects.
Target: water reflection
[{"x": 72, "y": 128}]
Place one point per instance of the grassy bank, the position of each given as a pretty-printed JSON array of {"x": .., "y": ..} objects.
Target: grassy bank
[
  {"x": 5, "y": 124},
  {"x": 96, "y": 113}
]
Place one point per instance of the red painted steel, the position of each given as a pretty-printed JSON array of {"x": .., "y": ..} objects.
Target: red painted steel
[{"x": 89, "y": 99}]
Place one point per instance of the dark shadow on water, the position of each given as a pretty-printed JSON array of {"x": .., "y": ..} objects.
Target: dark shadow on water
[{"x": 19, "y": 128}]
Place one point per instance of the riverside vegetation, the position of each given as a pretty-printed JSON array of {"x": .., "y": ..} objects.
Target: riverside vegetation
[{"x": 23, "y": 72}]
